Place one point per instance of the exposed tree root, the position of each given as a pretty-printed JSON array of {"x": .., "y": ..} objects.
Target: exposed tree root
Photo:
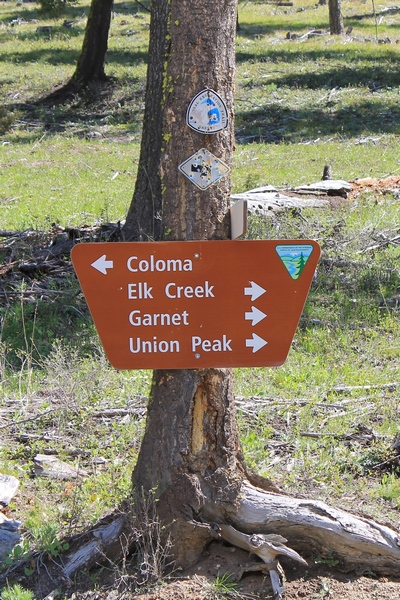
[
  {"x": 313, "y": 527},
  {"x": 262, "y": 522},
  {"x": 268, "y": 548}
]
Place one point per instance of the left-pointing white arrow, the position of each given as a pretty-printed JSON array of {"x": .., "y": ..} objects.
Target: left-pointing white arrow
[
  {"x": 254, "y": 315},
  {"x": 256, "y": 343},
  {"x": 102, "y": 264}
]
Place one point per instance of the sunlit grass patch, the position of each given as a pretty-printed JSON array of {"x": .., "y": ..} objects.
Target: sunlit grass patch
[{"x": 96, "y": 176}]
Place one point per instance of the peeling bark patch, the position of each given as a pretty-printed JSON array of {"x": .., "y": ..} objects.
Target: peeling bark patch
[{"x": 199, "y": 409}]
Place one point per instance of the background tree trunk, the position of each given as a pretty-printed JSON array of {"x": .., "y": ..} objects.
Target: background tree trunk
[
  {"x": 143, "y": 221},
  {"x": 335, "y": 17},
  {"x": 90, "y": 65}
]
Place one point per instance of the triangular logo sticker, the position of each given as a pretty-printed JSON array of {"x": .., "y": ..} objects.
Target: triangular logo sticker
[{"x": 294, "y": 257}]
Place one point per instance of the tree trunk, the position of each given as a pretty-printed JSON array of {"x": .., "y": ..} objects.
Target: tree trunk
[
  {"x": 190, "y": 453},
  {"x": 90, "y": 66},
  {"x": 335, "y": 17},
  {"x": 143, "y": 221},
  {"x": 194, "y": 41}
]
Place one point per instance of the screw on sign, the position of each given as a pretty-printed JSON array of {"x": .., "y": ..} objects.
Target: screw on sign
[{"x": 182, "y": 305}]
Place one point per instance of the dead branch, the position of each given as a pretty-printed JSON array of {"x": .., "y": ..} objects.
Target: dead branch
[
  {"x": 343, "y": 264},
  {"x": 143, "y": 6},
  {"x": 343, "y": 389},
  {"x": 138, "y": 411},
  {"x": 359, "y": 437},
  {"x": 27, "y": 420},
  {"x": 267, "y": 547},
  {"x": 4, "y": 233},
  {"x": 106, "y": 540},
  {"x": 383, "y": 244}
]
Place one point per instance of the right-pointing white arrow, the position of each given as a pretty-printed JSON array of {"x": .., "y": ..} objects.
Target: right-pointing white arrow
[
  {"x": 102, "y": 264},
  {"x": 255, "y": 291},
  {"x": 256, "y": 343},
  {"x": 254, "y": 315}
]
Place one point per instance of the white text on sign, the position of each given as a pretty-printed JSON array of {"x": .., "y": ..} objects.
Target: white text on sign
[{"x": 142, "y": 291}]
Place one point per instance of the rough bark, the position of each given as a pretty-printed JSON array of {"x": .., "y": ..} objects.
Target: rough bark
[
  {"x": 143, "y": 221},
  {"x": 203, "y": 57},
  {"x": 190, "y": 453},
  {"x": 194, "y": 41},
  {"x": 335, "y": 17}
]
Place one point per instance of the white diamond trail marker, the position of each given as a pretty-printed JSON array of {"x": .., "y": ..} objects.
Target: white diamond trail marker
[{"x": 203, "y": 168}]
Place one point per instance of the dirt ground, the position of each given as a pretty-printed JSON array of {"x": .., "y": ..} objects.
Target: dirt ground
[
  {"x": 319, "y": 581},
  {"x": 379, "y": 187}
]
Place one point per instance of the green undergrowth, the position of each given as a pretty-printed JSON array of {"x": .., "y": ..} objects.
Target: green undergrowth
[
  {"x": 327, "y": 418},
  {"x": 58, "y": 405}
]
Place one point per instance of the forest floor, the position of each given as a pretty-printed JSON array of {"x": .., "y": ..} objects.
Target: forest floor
[
  {"x": 216, "y": 575},
  {"x": 205, "y": 581}
]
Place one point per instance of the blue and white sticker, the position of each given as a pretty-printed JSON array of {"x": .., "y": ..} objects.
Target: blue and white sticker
[{"x": 207, "y": 113}]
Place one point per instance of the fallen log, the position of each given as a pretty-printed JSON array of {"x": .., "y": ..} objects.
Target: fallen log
[
  {"x": 267, "y": 203},
  {"x": 313, "y": 527},
  {"x": 105, "y": 541}
]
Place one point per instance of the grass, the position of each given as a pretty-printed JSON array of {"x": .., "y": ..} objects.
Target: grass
[
  {"x": 58, "y": 167},
  {"x": 348, "y": 337},
  {"x": 300, "y": 105},
  {"x": 337, "y": 98},
  {"x": 222, "y": 588},
  {"x": 16, "y": 592}
]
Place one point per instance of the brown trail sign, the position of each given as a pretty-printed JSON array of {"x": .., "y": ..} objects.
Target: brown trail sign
[{"x": 197, "y": 304}]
